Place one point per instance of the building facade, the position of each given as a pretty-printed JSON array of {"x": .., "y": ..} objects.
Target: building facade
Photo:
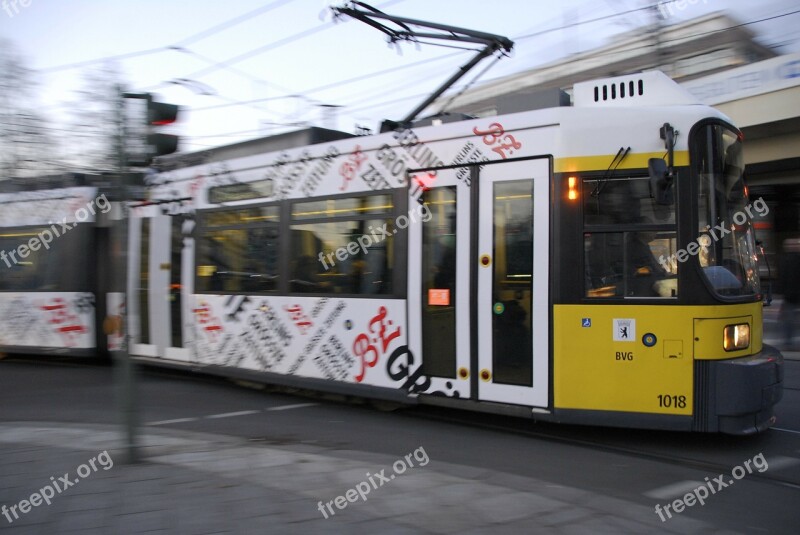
[{"x": 721, "y": 63}]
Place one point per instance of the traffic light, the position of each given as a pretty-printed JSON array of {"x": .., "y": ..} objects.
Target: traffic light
[
  {"x": 144, "y": 116},
  {"x": 160, "y": 114}
]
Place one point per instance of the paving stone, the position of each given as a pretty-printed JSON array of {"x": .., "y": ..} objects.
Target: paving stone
[{"x": 193, "y": 483}]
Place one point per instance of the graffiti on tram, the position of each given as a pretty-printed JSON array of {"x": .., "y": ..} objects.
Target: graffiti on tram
[
  {"x": 355, "y": 340},
  {"x": 43, "y": 320}
]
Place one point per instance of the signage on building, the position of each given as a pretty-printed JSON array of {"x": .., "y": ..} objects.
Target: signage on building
[{"x": 765, "y": 76}]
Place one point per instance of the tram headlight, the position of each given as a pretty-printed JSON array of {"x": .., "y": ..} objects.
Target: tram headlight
[
  {"x": 572, "y": 193},
  {"x": 736, "y": 337}
]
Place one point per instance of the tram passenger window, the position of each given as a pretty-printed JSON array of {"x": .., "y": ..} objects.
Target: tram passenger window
[
  {"x": 342, "y": 246},
  {"x": 237, "y": 251},
  {"x": 44, "y": 269}
]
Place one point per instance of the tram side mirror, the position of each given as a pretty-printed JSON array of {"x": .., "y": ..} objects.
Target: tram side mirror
[{"x": 660, "y": 182}]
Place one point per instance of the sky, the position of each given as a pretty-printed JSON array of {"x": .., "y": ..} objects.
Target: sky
[{"x": 302, "y": 66}]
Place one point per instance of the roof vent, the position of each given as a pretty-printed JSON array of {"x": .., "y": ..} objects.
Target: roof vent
[{"x": 653, "y": 88}]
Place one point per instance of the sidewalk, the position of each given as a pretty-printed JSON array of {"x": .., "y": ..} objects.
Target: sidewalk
[
  {"x": 791, "y": 355},
  {"x": 195, "y": 483}
]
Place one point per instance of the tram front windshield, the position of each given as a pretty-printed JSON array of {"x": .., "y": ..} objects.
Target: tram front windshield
[{"x": 725, "y": 234}]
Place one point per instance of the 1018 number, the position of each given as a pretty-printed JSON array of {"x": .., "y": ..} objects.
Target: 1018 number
[{"x": 665, "y": 400}]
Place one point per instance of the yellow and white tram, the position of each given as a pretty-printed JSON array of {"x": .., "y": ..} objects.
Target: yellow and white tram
[{"x": 592, "y": 264}]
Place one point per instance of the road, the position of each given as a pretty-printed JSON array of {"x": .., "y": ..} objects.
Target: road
[{"x": 638, "y": 468}]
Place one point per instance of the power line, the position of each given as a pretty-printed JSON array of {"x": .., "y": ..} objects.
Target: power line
[
  {"x": 229, "y": 23},
  {"x": 231, "y": 69},
  {"x": 378, "y": 73},
  {"x": 736, "y": 26},
  {"x": 258, "y": 51},
  {"x": 103, "y": 59},
  {"x": 580, "y": 23},
  {"x": 243, "y": 102},
  {"x": 270, "y": 46},
  {"x": 243, "y": 132},
  {"x": 180, "y": 44},
  {"x": 701, "y": 34},
  {"x": 333, "y": 84}
]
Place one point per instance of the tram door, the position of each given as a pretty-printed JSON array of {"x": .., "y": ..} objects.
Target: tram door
[
  {"x": 512, "y": 278},
  {"x": 156, "y": 290},
  {"x": 439, "y": 280},
  {"x": 478, "y": 281}
]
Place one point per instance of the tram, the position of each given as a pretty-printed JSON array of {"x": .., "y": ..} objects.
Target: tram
[
  {"x": 54, "y": 269},
  {"x": 590, "y": 264}
]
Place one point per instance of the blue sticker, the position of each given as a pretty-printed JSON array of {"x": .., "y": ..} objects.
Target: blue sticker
[
  {"x": 348, "y": 325},
  {"x": 586, "y": 322},
  {"x": 649, "y": 340}
]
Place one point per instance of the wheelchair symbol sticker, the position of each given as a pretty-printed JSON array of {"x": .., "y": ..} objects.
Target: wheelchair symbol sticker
[{"x": 586, "y": 322}]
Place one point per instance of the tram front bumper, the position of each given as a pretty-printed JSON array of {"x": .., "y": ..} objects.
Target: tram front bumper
[{"x": 738, "y": 396}]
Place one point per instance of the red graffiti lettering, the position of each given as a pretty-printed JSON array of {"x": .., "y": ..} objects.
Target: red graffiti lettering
[
  {"x": 493, "y": 135},
  {"x": 364, "y": 344}
]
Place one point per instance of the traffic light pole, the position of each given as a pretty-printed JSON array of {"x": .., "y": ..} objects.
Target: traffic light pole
[
  {"x": 124, "y": 368},
  {"x": 150, "y": 145}
]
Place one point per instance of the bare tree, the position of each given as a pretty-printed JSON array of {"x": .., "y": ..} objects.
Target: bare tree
[
  {"x": 27, "y": 147},
  {"x": 95, "y": 123}
]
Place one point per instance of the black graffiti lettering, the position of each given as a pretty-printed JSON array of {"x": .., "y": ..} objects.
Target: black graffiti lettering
[
  {"x": 374, "y": 179},
  {"x": 233, "y": 315},
  {"x": 415, "y": 381},
  {"x": 319, "y": 306},
  {"x": 400, "y": 372},
  {"x": 335, "y": 314},
  {"x": 84, "y": 303}
]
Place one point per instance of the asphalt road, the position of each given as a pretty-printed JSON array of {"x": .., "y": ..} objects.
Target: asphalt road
[{"x": 641, "y": 467}]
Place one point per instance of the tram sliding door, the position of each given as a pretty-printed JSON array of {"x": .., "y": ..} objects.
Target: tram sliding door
[
  {"x": 156, "y": 291},
  {"x": 478, "y": 281},
  {"x": 439, "y": 279},
  {"x": 512, "y": 274}
]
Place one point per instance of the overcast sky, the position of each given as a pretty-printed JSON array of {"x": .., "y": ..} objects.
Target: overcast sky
[{"x": 292, "y": 52}]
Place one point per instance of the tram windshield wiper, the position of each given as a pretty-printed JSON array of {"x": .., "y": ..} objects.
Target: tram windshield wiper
[{"x": 622, "y": 153}]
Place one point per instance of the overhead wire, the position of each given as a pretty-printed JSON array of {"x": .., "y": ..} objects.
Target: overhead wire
[
  {"x": 640, "y": 45},
  {"x": 231, "y": 22},
  {"x": 227, "y": 64},
  {"x": 395, "y": 69},
  {"x": 271, "y": 46},
  {"x": 665, "y": 40},
  {"x": 180, "y": 44}
]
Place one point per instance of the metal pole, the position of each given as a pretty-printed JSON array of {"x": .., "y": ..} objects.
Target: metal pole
[{"x": 124, "y": 369}]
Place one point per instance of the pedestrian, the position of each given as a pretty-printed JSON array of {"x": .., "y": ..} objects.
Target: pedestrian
[{"x": 789, "y": 273}]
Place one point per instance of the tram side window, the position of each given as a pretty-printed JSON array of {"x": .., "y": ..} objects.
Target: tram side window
[
  {"x": 45, "y": 269},
  {"x": 629, "y": 240},
  {"x": 237, "y": 250},
  {"x": 343, "y": 246}
]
